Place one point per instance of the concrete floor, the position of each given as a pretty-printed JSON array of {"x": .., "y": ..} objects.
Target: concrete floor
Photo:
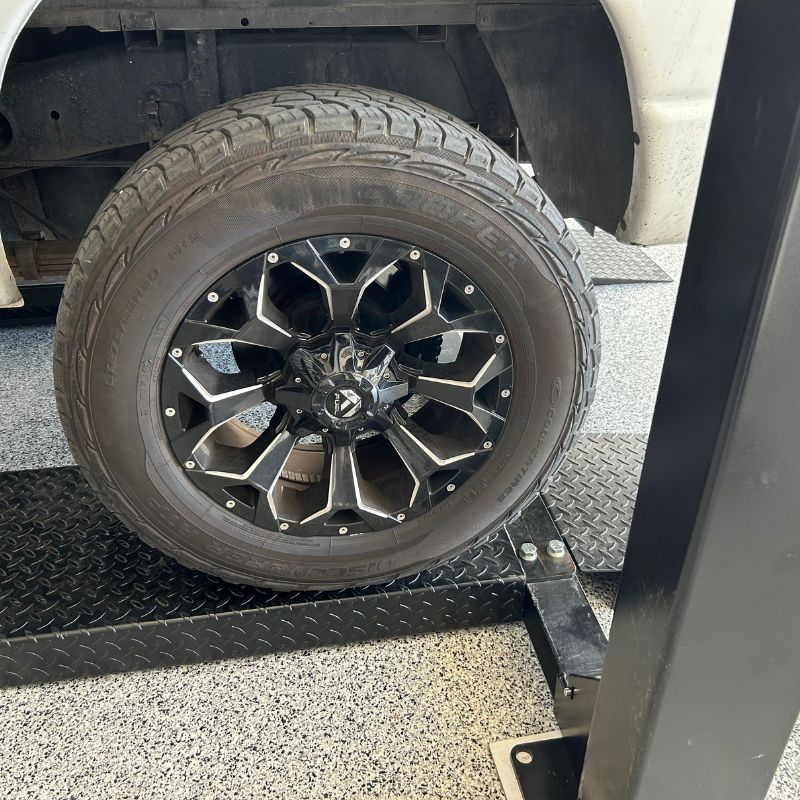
[{"x": 410, "y": 718}]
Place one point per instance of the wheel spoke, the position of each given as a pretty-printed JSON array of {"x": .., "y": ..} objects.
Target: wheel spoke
[
  {"x": 461, "y": 394},
  {"x": 347, "y": 491},
  {"x": 267, "y": 468},
  {"x": 224, "y": 395},
  {"x": 422, "y": 455},
  {"x": 195, "y": 331}
]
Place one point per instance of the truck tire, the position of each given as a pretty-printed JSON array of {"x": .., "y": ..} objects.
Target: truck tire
[{"x": 326, "y": 268}]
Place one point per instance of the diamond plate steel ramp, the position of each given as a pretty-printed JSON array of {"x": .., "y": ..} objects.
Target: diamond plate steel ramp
[
  {"x": 610, "y": 261},
  {"x": 81, "y": 595},
  {"x": 592, "y": 496}
]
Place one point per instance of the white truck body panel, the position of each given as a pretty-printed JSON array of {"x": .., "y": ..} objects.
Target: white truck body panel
[{"x": 673, "y": 52}]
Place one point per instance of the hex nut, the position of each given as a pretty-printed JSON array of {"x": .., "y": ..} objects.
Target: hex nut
[
  {"x": 528, "y": 551},
  {"x": 556, "y": 548}
]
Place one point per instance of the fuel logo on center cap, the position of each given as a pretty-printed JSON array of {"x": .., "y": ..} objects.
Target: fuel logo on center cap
[{"x": 344, "y": 403}]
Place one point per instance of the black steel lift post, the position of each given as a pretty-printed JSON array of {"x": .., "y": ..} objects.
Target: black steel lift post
[{"x": 701, "y": 683}]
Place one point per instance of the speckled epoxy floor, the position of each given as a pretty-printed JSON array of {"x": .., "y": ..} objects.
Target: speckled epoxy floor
[{"x": 409, "y": 718}]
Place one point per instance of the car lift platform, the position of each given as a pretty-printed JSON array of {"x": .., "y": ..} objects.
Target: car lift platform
[{"x": 81, "y": 595}]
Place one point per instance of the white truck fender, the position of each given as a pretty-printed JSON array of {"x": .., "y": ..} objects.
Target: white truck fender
[{"x": 13, "y": 16}]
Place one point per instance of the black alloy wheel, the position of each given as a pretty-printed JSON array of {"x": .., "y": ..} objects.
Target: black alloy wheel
[{"x": 372, "y": 367}]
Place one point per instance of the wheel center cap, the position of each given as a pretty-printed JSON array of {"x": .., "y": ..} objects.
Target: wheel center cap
[{"x": 343, "y": 403}]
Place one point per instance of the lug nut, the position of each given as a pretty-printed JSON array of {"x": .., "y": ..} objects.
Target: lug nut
[
  {"x": 360, "y": 354},
  {"x": 401, "y": 517},
  {"x": 323, "y": 357},
  {"x": 451, "y": 487},
  {"x": 213, "y": 297},
  {"x": 190, "y": 465},
  {"x": 487, "y": 445},
  {"x": 284, "y": 526},
  {"x": 273, "y": 258},
  {"x": 528, "y": 551},
  {"x": 556, "y": 548},
  {"x": 343, "y": 530},
  {"x": 500, "y": 339},
  {"x": 230, "y": 504},
  {"x": 505, "y": 393},
  {"x": 176, "y": 352},
  {"x": 414, "y": 255},
  {"x": 170, "y": 412},
  {"x": 469, "y": 289},
  {"x": 344, "y": 242}
]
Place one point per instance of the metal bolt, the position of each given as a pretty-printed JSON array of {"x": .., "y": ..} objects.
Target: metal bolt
[
  {"x": 500, "y": 339},
  {"x": 360, "y": 429},
  {"x": 323, "y": 357},
  {"x": 342, "y": 530},
  {"x": 190, "y": 465},
  {"x": 284, "y": 526},
  {"x": 299, "y": 410},
  {"x": 360, "y": 354},
  {"x": 385, "y": 406},
  {"x": 528, "y": 551},
  {"x": 451, "y": 487},
  {"x": 524, "y": 757},
  {"x": 487, "y": 445},
  {"x": 401, "y": 517},
  {"x": 344, "y": 242},
  {"x": 556, "y": 548},
  {"x": 469, "y": 289},
  {"x": 200, "y": 39},
  {"x": 230, "y": 504},
  {"x": 170, "y": 412},
  {"x": 213, "y": 297},
  {"x": 414, "y": 255},
  {"x": 298, "y": 380},
  {"x": 273, "y": 258},
  {"x": 177, "y": 352},
  {"x": 324, "y": 430},
  {"x": 505, "y": 393},
  {"x": 387, "y": 375}
]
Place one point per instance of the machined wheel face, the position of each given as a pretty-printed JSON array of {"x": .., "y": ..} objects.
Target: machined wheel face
[{"x": 336, "y": 385}]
